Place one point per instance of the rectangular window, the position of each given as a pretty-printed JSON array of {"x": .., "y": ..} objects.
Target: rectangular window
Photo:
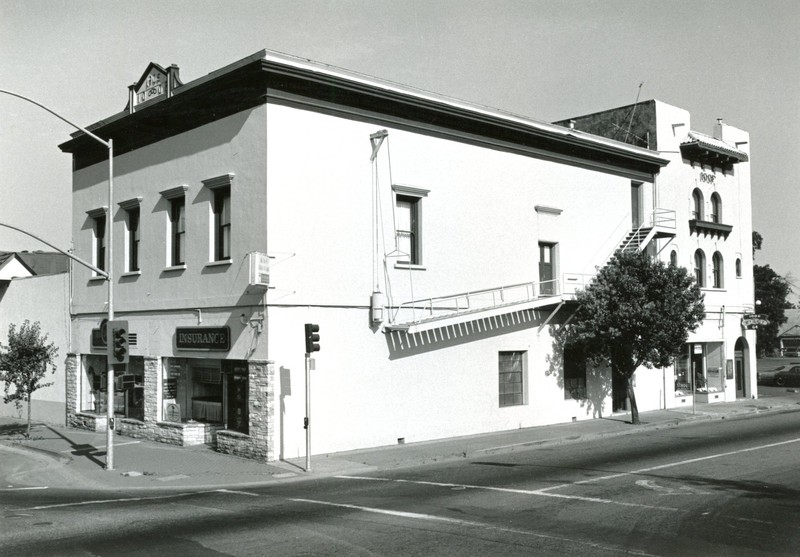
[
  {"x": 100, "y": 242},
  {"x": 222, "y": 224},
  {"x": 574, "y": 373},
  {"x": 408, "y": 229},
  {"x": 178, "y": 230},
  {"x": 133, "y": 239},
  {"x": 512, "y": 378}
]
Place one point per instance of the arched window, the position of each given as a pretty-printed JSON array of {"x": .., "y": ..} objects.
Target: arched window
[
  {"x": 716, "y": 261},
  {"x": 716, "y": 208},
  {"x": 700, "y": 268},
  {"x": 738, "y": 268},
  {"x": 697, "y": 204},
  {"x": 673, "y": 258}
]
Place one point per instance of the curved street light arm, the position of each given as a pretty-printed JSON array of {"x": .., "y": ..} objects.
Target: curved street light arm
[
  {"x": 78, "y": 259},
  {"x": 40, "y": 105}
]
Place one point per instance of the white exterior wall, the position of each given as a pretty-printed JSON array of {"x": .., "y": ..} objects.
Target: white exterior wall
[
  {"x": 303, "y": 193},
  {"x": 44, "y": 299},
  {"x": 480, "y": 230},
  {"x": 725, "y": 306}
]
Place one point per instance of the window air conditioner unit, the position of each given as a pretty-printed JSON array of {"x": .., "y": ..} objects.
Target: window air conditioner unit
[{"x": 259, "y": 269}]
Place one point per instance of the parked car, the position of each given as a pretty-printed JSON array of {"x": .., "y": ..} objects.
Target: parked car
[
  {"x": 788, "y": 378},
  {"x": 768, "y": 377}
]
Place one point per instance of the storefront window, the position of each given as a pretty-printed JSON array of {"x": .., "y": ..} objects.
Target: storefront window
[
  {"x": 683, "y": 376},
  {"x": 715, "y": 367},
  {"x": 702, "y": 363},
  {"x": 208, "y": 391},
  {"x": 128, "y": 387},
  {"x": 237, "y": 415},
  {"x": 129, "y": 396},
  {"x": 93, "y": 385}
]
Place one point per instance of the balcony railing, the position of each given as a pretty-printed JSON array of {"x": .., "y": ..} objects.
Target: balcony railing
[{"x": 487, "y": 299}]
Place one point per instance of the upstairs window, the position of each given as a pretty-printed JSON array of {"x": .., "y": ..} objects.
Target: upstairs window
[
  {"x": 100, "y": 242},
  {"x": 133, "y": 239},
  {"x": 408, "y": 219},
  {"x": 697, "y": 204},
  {"x": 716, "y": 208},
  {"x": 132, "y": 214},
  {"x": 220, "y": 226},
  {"x": 738, "y": 268},
  {"x": 176, "y": 225},
  {"x": 700, "y": 268},
  {"x": 673, "y": 258},
  {"x": 718, "y": 267},
  {"x": 98, "y": 221}
]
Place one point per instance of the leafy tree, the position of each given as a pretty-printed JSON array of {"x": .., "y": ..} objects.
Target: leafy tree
[
  {"x": 758, "y": 239},
  {"x": 636, "y": 312},
  {"x": 772, "y": 291},
  {"x": 24, "y": 363}
]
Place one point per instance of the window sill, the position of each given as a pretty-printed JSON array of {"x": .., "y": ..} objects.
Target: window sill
[
  {"x": 410, "y": 266},
  {"x": 175, "y": 268},
  {"x": 218, "y": 263},
  {"x": 712, "y": 289},
  {"x": 131, "y": 274},
  {"x": 97, "y": 278}
]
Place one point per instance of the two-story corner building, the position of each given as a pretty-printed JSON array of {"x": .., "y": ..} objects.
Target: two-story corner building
[
  {"x": 437, "y": 245},
  {"x": 706, "y": 186}
]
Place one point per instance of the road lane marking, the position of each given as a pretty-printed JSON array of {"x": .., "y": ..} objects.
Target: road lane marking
[
  {"x": 537, "y": 492},
  {"x": 671, "y": 465},
  {"x": 664, "y": 490},
  {"x": 468, "y": 524},
  {"x": 134, "y": 499},
  {"x": 235, "y": 492}
]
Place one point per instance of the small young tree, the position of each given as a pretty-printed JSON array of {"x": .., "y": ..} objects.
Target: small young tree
[
  {"x": 636, "y": 312},
  {"x": 23, "y": 364}
]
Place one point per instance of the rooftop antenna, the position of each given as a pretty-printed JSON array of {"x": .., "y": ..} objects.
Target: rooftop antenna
[{"x": 630, "y": 124}]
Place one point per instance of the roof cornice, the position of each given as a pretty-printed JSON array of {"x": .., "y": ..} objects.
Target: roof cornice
[{"x": 270, "y": 76}]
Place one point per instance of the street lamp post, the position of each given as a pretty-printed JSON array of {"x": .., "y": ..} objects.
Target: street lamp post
[{"x": 109, "y": 239}]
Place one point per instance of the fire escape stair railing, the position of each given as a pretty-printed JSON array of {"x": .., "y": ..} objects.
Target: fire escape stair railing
[{"x": 433, "y": 313}]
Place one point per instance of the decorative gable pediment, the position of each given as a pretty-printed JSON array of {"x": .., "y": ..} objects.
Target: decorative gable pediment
[{"x": 155, "y": 84}]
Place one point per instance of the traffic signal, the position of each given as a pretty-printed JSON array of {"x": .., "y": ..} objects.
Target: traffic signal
[
  {"x": 118, "y": 347},
  {"x": 312, "y": 338}
]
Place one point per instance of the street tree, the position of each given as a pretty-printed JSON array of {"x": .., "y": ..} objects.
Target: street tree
[
  {"x": 24, "y": 363},
  {"x": 637, "y": 311},
  {"x": 772, "y": 296}
]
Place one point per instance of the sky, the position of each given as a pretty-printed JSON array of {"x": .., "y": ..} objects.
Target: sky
[{"x": 544, "y": 59}]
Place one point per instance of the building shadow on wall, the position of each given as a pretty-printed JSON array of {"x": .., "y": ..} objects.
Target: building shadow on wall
[{"x": 576, "y": 375}]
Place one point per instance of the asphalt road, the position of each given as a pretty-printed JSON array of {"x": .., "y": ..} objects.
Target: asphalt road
[{"x": 723, "y": 488}]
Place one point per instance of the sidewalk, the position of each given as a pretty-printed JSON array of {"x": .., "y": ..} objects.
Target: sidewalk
[{"x": 59, "y": 457}]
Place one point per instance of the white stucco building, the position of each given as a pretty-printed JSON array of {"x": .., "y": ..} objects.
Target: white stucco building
[{"x": 435, "y": 243}]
